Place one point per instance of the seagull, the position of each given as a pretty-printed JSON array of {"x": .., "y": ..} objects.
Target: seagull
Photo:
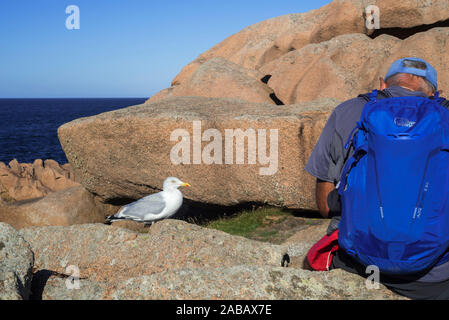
[{"x": 154, "y": 207}]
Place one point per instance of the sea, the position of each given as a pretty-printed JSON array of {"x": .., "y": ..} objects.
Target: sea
[{"x": 28, "y": 127}]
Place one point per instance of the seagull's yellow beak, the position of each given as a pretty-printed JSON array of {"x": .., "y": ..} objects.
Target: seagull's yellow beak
[{"x": 185, "y": 184}]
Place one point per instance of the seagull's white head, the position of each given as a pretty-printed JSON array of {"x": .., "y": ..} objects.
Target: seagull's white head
[{"x": 174, "y": 183}]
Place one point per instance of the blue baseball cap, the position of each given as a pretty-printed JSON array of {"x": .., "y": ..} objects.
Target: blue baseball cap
[{"x": 422, "y": 69}]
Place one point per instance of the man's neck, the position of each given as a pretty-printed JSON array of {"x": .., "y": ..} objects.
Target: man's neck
[
  {"x": 405, "y": 91},
  {"x": 412, "y": 90}
]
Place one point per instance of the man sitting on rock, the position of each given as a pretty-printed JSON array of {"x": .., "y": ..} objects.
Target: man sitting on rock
[{"x": 406, "y": 77}]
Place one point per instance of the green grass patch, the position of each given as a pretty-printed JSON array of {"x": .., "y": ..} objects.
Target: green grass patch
[{"x": 246, "y": 223}]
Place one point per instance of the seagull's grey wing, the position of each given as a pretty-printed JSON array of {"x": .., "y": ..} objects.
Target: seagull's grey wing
[{"x": 153, "y": 204}]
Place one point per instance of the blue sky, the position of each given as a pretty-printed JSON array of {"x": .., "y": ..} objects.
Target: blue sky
[{"x": 124, "y": 48}]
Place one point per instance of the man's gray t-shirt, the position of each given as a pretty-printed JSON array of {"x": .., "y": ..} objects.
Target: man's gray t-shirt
[{"x": 329, "y": 156}]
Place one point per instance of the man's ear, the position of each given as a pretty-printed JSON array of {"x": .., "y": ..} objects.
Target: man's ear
[{"x": 383, "y": 84}]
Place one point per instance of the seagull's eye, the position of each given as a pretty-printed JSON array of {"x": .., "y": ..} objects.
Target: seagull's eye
[{"x": 173, "y": 181}]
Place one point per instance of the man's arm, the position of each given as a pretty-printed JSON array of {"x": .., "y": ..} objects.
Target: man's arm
[
  {"x": 323, "y": 188},
  {"x": 328, "y": 157}
]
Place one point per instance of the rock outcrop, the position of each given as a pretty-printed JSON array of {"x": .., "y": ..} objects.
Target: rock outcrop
[
  {"x": 260, "y": 45},
  {"x": 70, "y": 206},
  {"x": 16, "y": 263},
  {"x": 139, "y": 144},
  {"x": 341, "y": 67},
  {"x": 330, "y": 69},
  {"x": 228, "y": 283},
  {"x": 351, "y": 64},
  {"x": 45, "y": 193},
  {"x": 99, "y": 250},
  {"x": 176, "y": 260},
  {"x": 30, "y": 181}
]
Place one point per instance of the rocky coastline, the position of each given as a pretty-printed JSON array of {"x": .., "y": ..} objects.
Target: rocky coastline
[{"x": 282, "y": 76}]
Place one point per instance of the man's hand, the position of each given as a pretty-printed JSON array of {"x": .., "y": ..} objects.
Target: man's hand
[{"x": 323, "y": 188}]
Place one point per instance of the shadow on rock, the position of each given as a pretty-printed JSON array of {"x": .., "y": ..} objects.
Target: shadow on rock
[{"x": 38, "y": 283}]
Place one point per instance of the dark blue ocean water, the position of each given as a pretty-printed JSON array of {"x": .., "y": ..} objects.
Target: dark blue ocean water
[{"x": 28, "y": 127}]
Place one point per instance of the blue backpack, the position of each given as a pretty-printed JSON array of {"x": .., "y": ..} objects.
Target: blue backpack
[{"x": 395, "y": 188}]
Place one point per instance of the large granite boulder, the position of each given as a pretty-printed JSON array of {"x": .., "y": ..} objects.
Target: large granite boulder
[
  {"x": 140, "y": 147},
  {"x": 220, "y": 78}
]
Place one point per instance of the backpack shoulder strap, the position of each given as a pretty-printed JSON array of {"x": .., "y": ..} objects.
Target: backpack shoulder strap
[
  {"x": 384, "y": 94},
  {"x": 381, "y": 95},
  {"x": 441, "y": 100},
  {"x": 445, "y": 103}
]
